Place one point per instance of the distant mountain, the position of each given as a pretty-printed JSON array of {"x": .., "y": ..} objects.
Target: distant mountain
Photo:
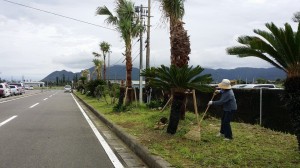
[
  {"x": 115, "y": 72},
  {"x": 246, "y": 74},
  {"x": 60, "y": 74}
]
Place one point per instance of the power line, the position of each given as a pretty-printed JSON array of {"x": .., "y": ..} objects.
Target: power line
[
  {"x": 122, "y": 57},
  {"x": 59, "y": 15}
]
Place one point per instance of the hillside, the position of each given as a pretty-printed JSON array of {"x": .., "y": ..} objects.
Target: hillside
[{"x": 246, "y": 74}]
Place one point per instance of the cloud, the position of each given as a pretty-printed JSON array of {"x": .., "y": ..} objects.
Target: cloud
[{"x": 35, "y": 43}]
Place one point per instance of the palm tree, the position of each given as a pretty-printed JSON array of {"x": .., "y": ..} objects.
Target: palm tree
[
  {"x": 126, "y": 23},
  {"x": 84, "y": 75},
  {"x": 98, "y": 67},
  {"x": 173, "y": 11},
  {"x": 281, "y": 48},
  {"x": 177, "y": 80},
  {"x": 105, "y": 47}
]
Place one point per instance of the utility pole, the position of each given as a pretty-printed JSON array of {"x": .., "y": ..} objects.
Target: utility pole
[
  {"x": 108, "y": 69},
  {"x": 148, "y": 36},
  {"x": 140, "y": 10}
]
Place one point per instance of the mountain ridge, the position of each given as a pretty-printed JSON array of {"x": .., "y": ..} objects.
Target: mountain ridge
[{"x": 242, "y": 73}]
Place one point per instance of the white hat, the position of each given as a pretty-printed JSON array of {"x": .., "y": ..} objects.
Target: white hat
[{"x": 225, "y": 84}]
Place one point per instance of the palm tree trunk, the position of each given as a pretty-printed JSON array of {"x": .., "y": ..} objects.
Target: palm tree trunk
[
  {"x": 180, "y": 45},
  {"x": 292, "y": 96},
  {"x": 129, "y": 73},
  {"x": 176, "y": 110}
]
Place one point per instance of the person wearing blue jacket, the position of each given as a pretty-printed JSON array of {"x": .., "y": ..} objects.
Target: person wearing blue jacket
[{"x": 228, "y": 102}]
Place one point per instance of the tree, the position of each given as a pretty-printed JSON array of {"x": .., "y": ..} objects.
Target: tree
[
  {"x": 281, "y": 48},
  {"x": 98, "y": 67},
  {"x": 126, "y": 23},
  {"x": 173, "y": 11},
  {"x": 105, "y": 48},
  {"x": 177, "y": 80},
  {"x": 85, "y": 74},
  {"x": 261, "y": 81}
]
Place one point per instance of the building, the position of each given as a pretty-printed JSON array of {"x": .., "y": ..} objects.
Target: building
[{"x": 35, "y": 84}]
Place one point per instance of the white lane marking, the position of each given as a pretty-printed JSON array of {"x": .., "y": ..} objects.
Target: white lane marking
[
  {"x": 34, "y": 105},
  {"x": 17, "y": 98},
  {"x": 33, "y": 94},
  {"x": 113, "y": 158},
  {"x": 45, "y": 98},
  {"x": 6, "y": 121}
]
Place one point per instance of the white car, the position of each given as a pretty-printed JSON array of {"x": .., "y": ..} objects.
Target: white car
[
  {"x": 20, "y": 86},
  {"x": 258, "y": 86},
  {"x": 14, "y": 90},
  {"x": 5, "y": 89},
  {"x": 68, "y": 88},
  {"x": 238, "y": 86}
]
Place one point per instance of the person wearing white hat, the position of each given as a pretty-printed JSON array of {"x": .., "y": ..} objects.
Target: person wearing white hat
[{"x": 228, "y": 102}]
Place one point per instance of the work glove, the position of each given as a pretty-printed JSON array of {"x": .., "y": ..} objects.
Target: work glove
[
  {"x": 217, "y": 92},
  {"x": 210, "y": 103}
]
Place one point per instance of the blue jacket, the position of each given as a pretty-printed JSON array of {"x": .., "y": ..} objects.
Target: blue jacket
[{"x": 227, "y": 100}]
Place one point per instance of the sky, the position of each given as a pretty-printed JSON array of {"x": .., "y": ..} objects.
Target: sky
[{"x": 33, "y": 44}]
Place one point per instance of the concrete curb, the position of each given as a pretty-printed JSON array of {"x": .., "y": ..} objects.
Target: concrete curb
[{"x": 131, "y": 142}]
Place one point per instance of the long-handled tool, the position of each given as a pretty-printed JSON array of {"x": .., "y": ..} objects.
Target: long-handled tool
[
  {"x": 206, "y": 110},
  {"x": 195, "y": 133}
]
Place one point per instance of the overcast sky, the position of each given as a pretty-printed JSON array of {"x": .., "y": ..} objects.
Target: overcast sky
[{"x": 33, "y": 43}]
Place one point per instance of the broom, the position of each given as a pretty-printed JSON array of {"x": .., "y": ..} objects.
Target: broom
[{"x": 195, "y": 133}]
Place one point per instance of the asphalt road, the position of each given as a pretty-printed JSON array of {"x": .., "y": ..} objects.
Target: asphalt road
[{"x": 48, "y": 129}]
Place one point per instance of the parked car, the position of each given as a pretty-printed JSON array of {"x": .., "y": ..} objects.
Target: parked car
[
  {"x": 1, "y": 93},
  {"x": 68, "y": 88},
  {"x": 30, "y": 88},
  {"x": 239, "y": 86},
  {"x": 14, "y": 90},
  {"x": 254, "y": 86},
  {"x": 20, "y": 86},
  {"x": 26, "y": 87},
  {"x": 5, "y": 89}
]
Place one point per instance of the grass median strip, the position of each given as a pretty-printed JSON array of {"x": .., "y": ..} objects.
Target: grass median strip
[{"x": 253, "y": 146}]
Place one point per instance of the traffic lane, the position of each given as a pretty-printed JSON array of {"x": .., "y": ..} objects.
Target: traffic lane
[
  {"x": 53, "y": 134},
  {"x": 22, "y": 104}
]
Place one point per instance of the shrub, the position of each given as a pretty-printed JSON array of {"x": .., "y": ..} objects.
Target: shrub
[
  {"x": 155, "y": 104},
  {"x": 91, "y": 86}
]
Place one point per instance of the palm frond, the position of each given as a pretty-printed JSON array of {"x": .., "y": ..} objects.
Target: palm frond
[
  {"x": 242, "y": 51},
  {"x": 174, "y": 10},
  {"x": 111, "y": 19},
  {"x": 280, "y": 47},
  {"x": 174, "y": 77},
  {"x": 96, "y": 54}
]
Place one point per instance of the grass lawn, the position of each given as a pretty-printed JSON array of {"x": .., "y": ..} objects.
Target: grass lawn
[{"x": 253, "y": 146}]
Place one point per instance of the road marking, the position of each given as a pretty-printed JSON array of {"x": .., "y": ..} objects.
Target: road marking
[
  {"x": 22, "y": 96},
  {"x": 113, "y": 158},
  {"x": 17, "y": 98},
  {"x": 34, "y": 105},
  {"x": 45, "y": 98},
  {"x": 6, "y": 121}
]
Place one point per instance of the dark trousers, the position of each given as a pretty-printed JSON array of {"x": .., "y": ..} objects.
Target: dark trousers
[{"x": 225, "y": 124}]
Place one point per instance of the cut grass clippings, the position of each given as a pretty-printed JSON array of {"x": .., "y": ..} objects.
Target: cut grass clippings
[{"x": 252, "y": 146}]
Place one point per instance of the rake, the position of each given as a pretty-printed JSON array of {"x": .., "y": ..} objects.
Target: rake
[{"x": 195, "y": 132}]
